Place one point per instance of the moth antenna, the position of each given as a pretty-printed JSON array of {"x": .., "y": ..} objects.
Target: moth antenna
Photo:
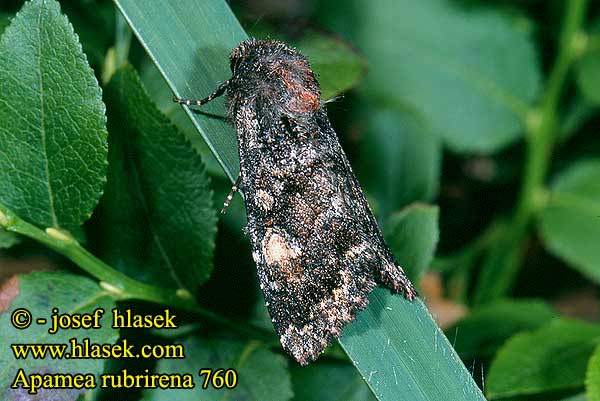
[{"x": 217, "y": 92}]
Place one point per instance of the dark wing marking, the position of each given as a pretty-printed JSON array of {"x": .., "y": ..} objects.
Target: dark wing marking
[{"x": 389, "y": 272}]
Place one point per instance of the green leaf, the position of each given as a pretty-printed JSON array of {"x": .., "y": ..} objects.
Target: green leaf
[
  {"x": 158, "y": 220},
  {"x": 412, "y": 235},
  {"x": 40, "y": 293},
  {"x": 587, "y": 68},
  {"x": 592, "y": 377},
  {"x": 402, "y": 354},
  {"x": 470, "y": 71},
  {"x": 487, "y": 327},
  {"x": 400, "y": 159},
  {"x": 588, "y": 76},
  {"x": 501, "y": 257},
  {"x": 578, "y": 397},
  {"x": 577, "y": 114},
  {"x": 552, "y": 358},
  {"x": 570, "y": 222},
  {"x": 262, "y": 374},
  {"x": 53, "y": 137},
  {"x": 4, "y": 20},
  {"x": 329, "y": 381},
  {"x": 8, "y": 239},
  {"x": 204, "y": 33}
]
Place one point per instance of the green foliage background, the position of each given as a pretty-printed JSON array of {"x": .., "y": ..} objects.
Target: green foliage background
[{"x": 472, "y": 126}]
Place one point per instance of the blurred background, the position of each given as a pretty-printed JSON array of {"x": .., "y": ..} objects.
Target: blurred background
[{"x": 482, "y": 115}]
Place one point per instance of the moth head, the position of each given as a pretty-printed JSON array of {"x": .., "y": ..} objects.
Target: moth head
[
  {"x": 241, "y": 53},
  {"x": 256, "y": 52},
  {"x": 278, "y": 70}
]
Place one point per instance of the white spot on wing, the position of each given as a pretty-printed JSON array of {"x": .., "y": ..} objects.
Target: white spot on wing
[
  {"x": 264, "y": 200},
  {"x": 277, "y": 249}
]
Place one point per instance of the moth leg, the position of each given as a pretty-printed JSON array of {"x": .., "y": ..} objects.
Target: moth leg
[
  {"x": 217, "y": 92},
  {"x": 229, "y": 198}
]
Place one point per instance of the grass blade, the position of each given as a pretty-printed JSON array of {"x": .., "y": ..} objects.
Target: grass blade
[
  {"x": 394, "y": 344},
  {"x": 190, "y": 41}
]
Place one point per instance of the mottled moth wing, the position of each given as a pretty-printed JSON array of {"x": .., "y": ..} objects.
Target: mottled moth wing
[{"x": 316, "y": 244}]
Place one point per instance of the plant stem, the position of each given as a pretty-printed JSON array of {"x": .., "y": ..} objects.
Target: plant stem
[
  {"x": 120, "y": 285},
  {"x": 501, "y": 267}
]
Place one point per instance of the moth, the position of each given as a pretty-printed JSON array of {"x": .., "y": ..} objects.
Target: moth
[{"x": 316, "y": 244}]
